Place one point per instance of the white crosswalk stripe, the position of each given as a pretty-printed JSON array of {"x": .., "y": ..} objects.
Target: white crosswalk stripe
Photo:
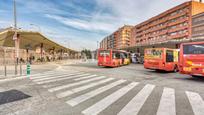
[
  {"x": 70, "y": 92},
  {"x": 53, "y": 74},
  {"x": 60, "y": 79},
  {"x": 196, "y": 102},
  {"x": 82, "y": 98},
  {"x": 167, "y": 103},
  {"x": 133, "y": 107},
  {"x": 82, "y": 78},
  {"x": 54, "y": 77},
  {"x": 104, "y": 103},
  {"x": 74, "y": 84}
]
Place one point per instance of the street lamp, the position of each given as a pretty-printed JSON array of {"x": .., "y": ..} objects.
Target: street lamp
[
  {"x": 16, "y": 37},
  {"x": 39, "y": 29},
  {"x": 14, "y": 14}
]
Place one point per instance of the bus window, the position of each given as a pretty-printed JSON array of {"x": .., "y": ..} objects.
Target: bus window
[
  {"x": 154, "y": 53},
  {"x": 104, "y": 53},
  {"x": 193, "y": 49},
  {"x": 115, "y": 55},
  {"x": 118, "y": 55},
  {"x": 169, "y": 56}
]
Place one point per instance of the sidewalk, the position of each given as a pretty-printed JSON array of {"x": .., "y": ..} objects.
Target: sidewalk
[{"x": 35, "y": 68}]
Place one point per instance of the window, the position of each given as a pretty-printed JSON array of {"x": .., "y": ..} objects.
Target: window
[
  {"x": 104, "y": 53},
  {"x": 193, "y": 49},
  {"x": 169, "y": 56}
]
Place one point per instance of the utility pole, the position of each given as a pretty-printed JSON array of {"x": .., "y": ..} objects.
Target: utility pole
[
  {"x": 14, "y": 14},
  {"x": 16, "y": 37}
]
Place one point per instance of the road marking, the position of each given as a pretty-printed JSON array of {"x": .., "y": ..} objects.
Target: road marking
[
  {"x": 134, "y": 106},
  {"x": 167, "y": 104},
  {"x": 50, "y": 73},
  {"x": 82, "y": 98},
  {"x": 53, "y": 75},
  {"x": 107, "y": 101},
  {"x": 55, "y": 80},
  {"x": 56, "y": 77},
  {"x": 74, "y": 84},
  {"x": 196, "y": 102},
  {"x": 70, "y": 92},
  {"x": 82, "y": 78}
]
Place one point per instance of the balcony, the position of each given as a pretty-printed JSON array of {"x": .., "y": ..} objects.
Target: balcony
[
  {"x": 178, "y": 29},
  {"x": 178, "y": 15},
  {"x": 178, "y": 36},
  {"x": 178, "y": 21}
]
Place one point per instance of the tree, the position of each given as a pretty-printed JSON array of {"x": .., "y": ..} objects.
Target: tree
[{"x": 86, "y": 53}]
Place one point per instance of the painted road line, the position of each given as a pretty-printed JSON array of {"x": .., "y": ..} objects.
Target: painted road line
[
  {"x": 167, "y": 104},
  {"x": 82, "y": 98},
  {"x": 70, "y": 92},
  {"x": 107, "y": 101},
  {"x": 47, "y": 73},
  {"x": 55, "y": 80},
  {"x": 56, "y": 77},
  {"x": 45, "y": 76},
  {"x": 74, "y": 84},
  {"x": 196, "y": 102},
  {"x": 134, "y": 106},
  {"x": 82, "y": 78}
]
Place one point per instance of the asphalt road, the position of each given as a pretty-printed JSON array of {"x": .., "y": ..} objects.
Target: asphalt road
[{"x": 88, "y": 89}]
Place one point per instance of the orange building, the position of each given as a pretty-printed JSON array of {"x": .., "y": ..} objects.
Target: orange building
[
  {"x": 173, "y": 24},
  {"x": 118, "y": 40}
]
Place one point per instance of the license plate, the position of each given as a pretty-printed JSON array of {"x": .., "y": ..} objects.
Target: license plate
[{"x": 187, "y": 69}]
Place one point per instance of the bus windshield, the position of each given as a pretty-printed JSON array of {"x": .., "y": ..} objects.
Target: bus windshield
[
  {"x": 104, "y": 53},
  {"x": 193, "y": 49},
  {"x": 153, "y": 53}
]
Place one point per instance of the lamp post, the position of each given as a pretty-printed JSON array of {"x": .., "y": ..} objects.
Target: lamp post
[{"x": 16, "y": 37}]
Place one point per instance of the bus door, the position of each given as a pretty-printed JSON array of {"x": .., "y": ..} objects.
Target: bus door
[{"x": 169, "y": 64}]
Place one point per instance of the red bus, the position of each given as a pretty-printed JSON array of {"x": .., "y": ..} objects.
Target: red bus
[
  {"x": 192, "y": 59},
  {"x": 112, "y": 58},
  {"x": 161, "y": 59}
]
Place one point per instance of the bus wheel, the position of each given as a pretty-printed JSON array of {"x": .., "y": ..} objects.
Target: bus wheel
[{"x": 176, "y": 69}]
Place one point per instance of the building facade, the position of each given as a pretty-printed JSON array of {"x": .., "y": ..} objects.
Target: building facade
[
  {"x": 198, "y": 26},
  {"x": 117, "y": 40},
  {"x": 124, "y": 36},
  {"x": 173, "y": 24}
]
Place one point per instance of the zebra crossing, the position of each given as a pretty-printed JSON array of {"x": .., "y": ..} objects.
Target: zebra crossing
[{"x": 86, "y": 86}]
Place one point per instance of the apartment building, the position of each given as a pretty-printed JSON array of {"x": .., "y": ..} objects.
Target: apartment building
[
  {"x": 173, "y": 24},
  {"x": 124, "y": 35},
  {"x": 117, "y": 40},
  {"x": 198, "y": 26}
]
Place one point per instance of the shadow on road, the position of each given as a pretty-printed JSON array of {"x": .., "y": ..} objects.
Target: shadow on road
[{"x": 196, "y": 79}]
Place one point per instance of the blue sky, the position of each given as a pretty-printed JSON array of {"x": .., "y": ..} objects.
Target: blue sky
[{"x": 80, "y": 23}]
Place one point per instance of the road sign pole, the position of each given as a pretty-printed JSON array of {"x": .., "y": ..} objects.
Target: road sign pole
[{"x": 28, "y": 69}]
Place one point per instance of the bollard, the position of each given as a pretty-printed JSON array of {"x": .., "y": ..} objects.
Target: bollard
[
  {"x": 28, "y": 69},
  {"x": 16, "y": 71},
  {"x": 5, "y": 70},
  {"x": 20, "y": 69}
]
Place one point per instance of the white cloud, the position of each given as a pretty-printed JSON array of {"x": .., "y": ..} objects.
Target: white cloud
[{"x": 93, "y": 25}]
